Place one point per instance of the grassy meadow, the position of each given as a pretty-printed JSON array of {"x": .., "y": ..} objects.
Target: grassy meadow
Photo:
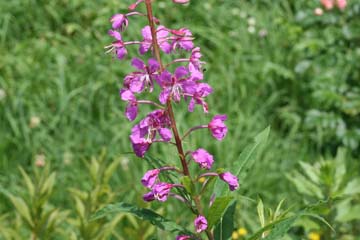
[{"x": 64, "y": 145}]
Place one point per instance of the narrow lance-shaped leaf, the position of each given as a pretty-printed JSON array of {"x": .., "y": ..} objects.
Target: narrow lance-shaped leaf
[
  {"x": 142, "y": 213},
  {"x": 218, "y": 209},
  {"x": 225, "y": 227},
  {"x": 245, "y": 161}
]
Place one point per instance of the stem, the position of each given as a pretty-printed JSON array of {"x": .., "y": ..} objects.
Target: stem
[
  {"x": 168, "y": 104},
  {"x": 153, "y": 33},
  {"x": 209, "y": 174},
  {"x": 150, "y": 103},
  {"x": 198, "y": 206},
  {"x": 178, "y": 141},
  {"x": 193, "y": 129}
]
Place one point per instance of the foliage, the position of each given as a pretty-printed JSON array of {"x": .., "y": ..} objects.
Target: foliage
[{"x": 327, "y": 180}]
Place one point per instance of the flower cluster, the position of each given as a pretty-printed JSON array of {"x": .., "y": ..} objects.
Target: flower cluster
[
  {"x": 329, "y": 4},
  {"x": 179, "y": 80}
]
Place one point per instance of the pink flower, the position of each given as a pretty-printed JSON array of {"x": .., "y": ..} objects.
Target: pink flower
[
  {"x": 150, "y": 177},
  {"x": 118, "y": 46},
  {"x": 328, "y": 4},
  {"x": 138, "y": 81},
  {"x": 161, "y": 191},
  {"x": 119, "y": 21},
  {"x": 217, "y": 127},
  {"x": 181, "y": 1},
  {"x": 182, "y": 38},
  {"x": 134, "y": 5},
  {"x": 144, "y": 133},
  {"x": 131, "y": 109},
  {"x": 175, "y": 86},
  {"x": 202, "y": 90},
  {"x": 200, "y": 224},
  {"x": 341, "y": 4},
  {"x": 183, "y": 237},
  {"x": 195, "y": 58},
  {"x": 162, "y": 39},
  {"x": 203, "y": 158},
  {"x": 230, "y": 179},
  {"x": 148, "y": 197}
]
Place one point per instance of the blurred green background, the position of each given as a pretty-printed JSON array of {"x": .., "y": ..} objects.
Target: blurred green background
[{"x": 270, "y": 63}]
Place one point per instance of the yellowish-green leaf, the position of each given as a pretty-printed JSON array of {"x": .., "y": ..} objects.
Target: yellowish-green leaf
[
  {"x": 260, "y": 210},
  {"x": 80, "y": 208},
  {"x": 48, "y": 185},
  {"x": 22, "y": 208},
  {"x": 28, "y": 182}
]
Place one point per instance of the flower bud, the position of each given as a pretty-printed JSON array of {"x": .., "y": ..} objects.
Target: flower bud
[
  {"x": 150, "y": 177},
  {"x": 200, "y": 224},
  {"x": 203, "y": 158},
  {"x": 230, "y": 179},
  {"x": 40, "y": 160},
  {"x": 183, "y": 237},
  {"x": 161, "y": 191},
  {"x": 148, "y": 197},
  {"x": 217, "y": 127},
  {"x": 181, "y": 1}
]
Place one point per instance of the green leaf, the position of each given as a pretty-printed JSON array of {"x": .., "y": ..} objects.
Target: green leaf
[
  {"x": 280, "y": 229},
  {"x": 80, "y": 207},
  {"x": 142, "y": 213},
  {"x": 110, "y": 170},
  {"x": 245, "y": 161},
  {"x": 218, "y": 209},
  {"x": 22, "y": 208},
  {"x": 188, "y": 184},
  {"x": 48, "y": 184},
  {"x": 277, "y": 229},
  {"x": 311, "y": 172},
  {"x": 304, "y": 186},
  {"x": 28, "y": 182},
  {"x": 260, "y": 210},
  {"x": 353, "y": 187},
  {"x": 347, "y": 211},
  {"x": 340, "y": 170},
  {"x": 225, "y": 227}
]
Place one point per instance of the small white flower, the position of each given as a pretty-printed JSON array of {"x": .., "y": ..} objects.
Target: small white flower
[
  {"x": 243, "y": 14},
  {"x": 34, "y": 121},
  {"x": 318, "y": 11},
  {"x": 162, "y": 5},
  {"x": 67, "y": 158},
  {"x": 125, "y": 163},
  {"x": 207, "y": 6},
  {"x": 251, "y": 21},
  {"x": 2, "y": 94},
  {"x": 251, "y": 29},
  {"x": 235, "y": 11}
]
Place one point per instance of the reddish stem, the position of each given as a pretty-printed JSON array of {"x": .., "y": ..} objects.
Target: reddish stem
[
  {"x": 168, "y": 103},
  {"x": 178, "y": 141}
]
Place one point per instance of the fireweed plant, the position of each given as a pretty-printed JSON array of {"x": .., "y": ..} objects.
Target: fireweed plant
[{"x": 159, "y": 126}]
